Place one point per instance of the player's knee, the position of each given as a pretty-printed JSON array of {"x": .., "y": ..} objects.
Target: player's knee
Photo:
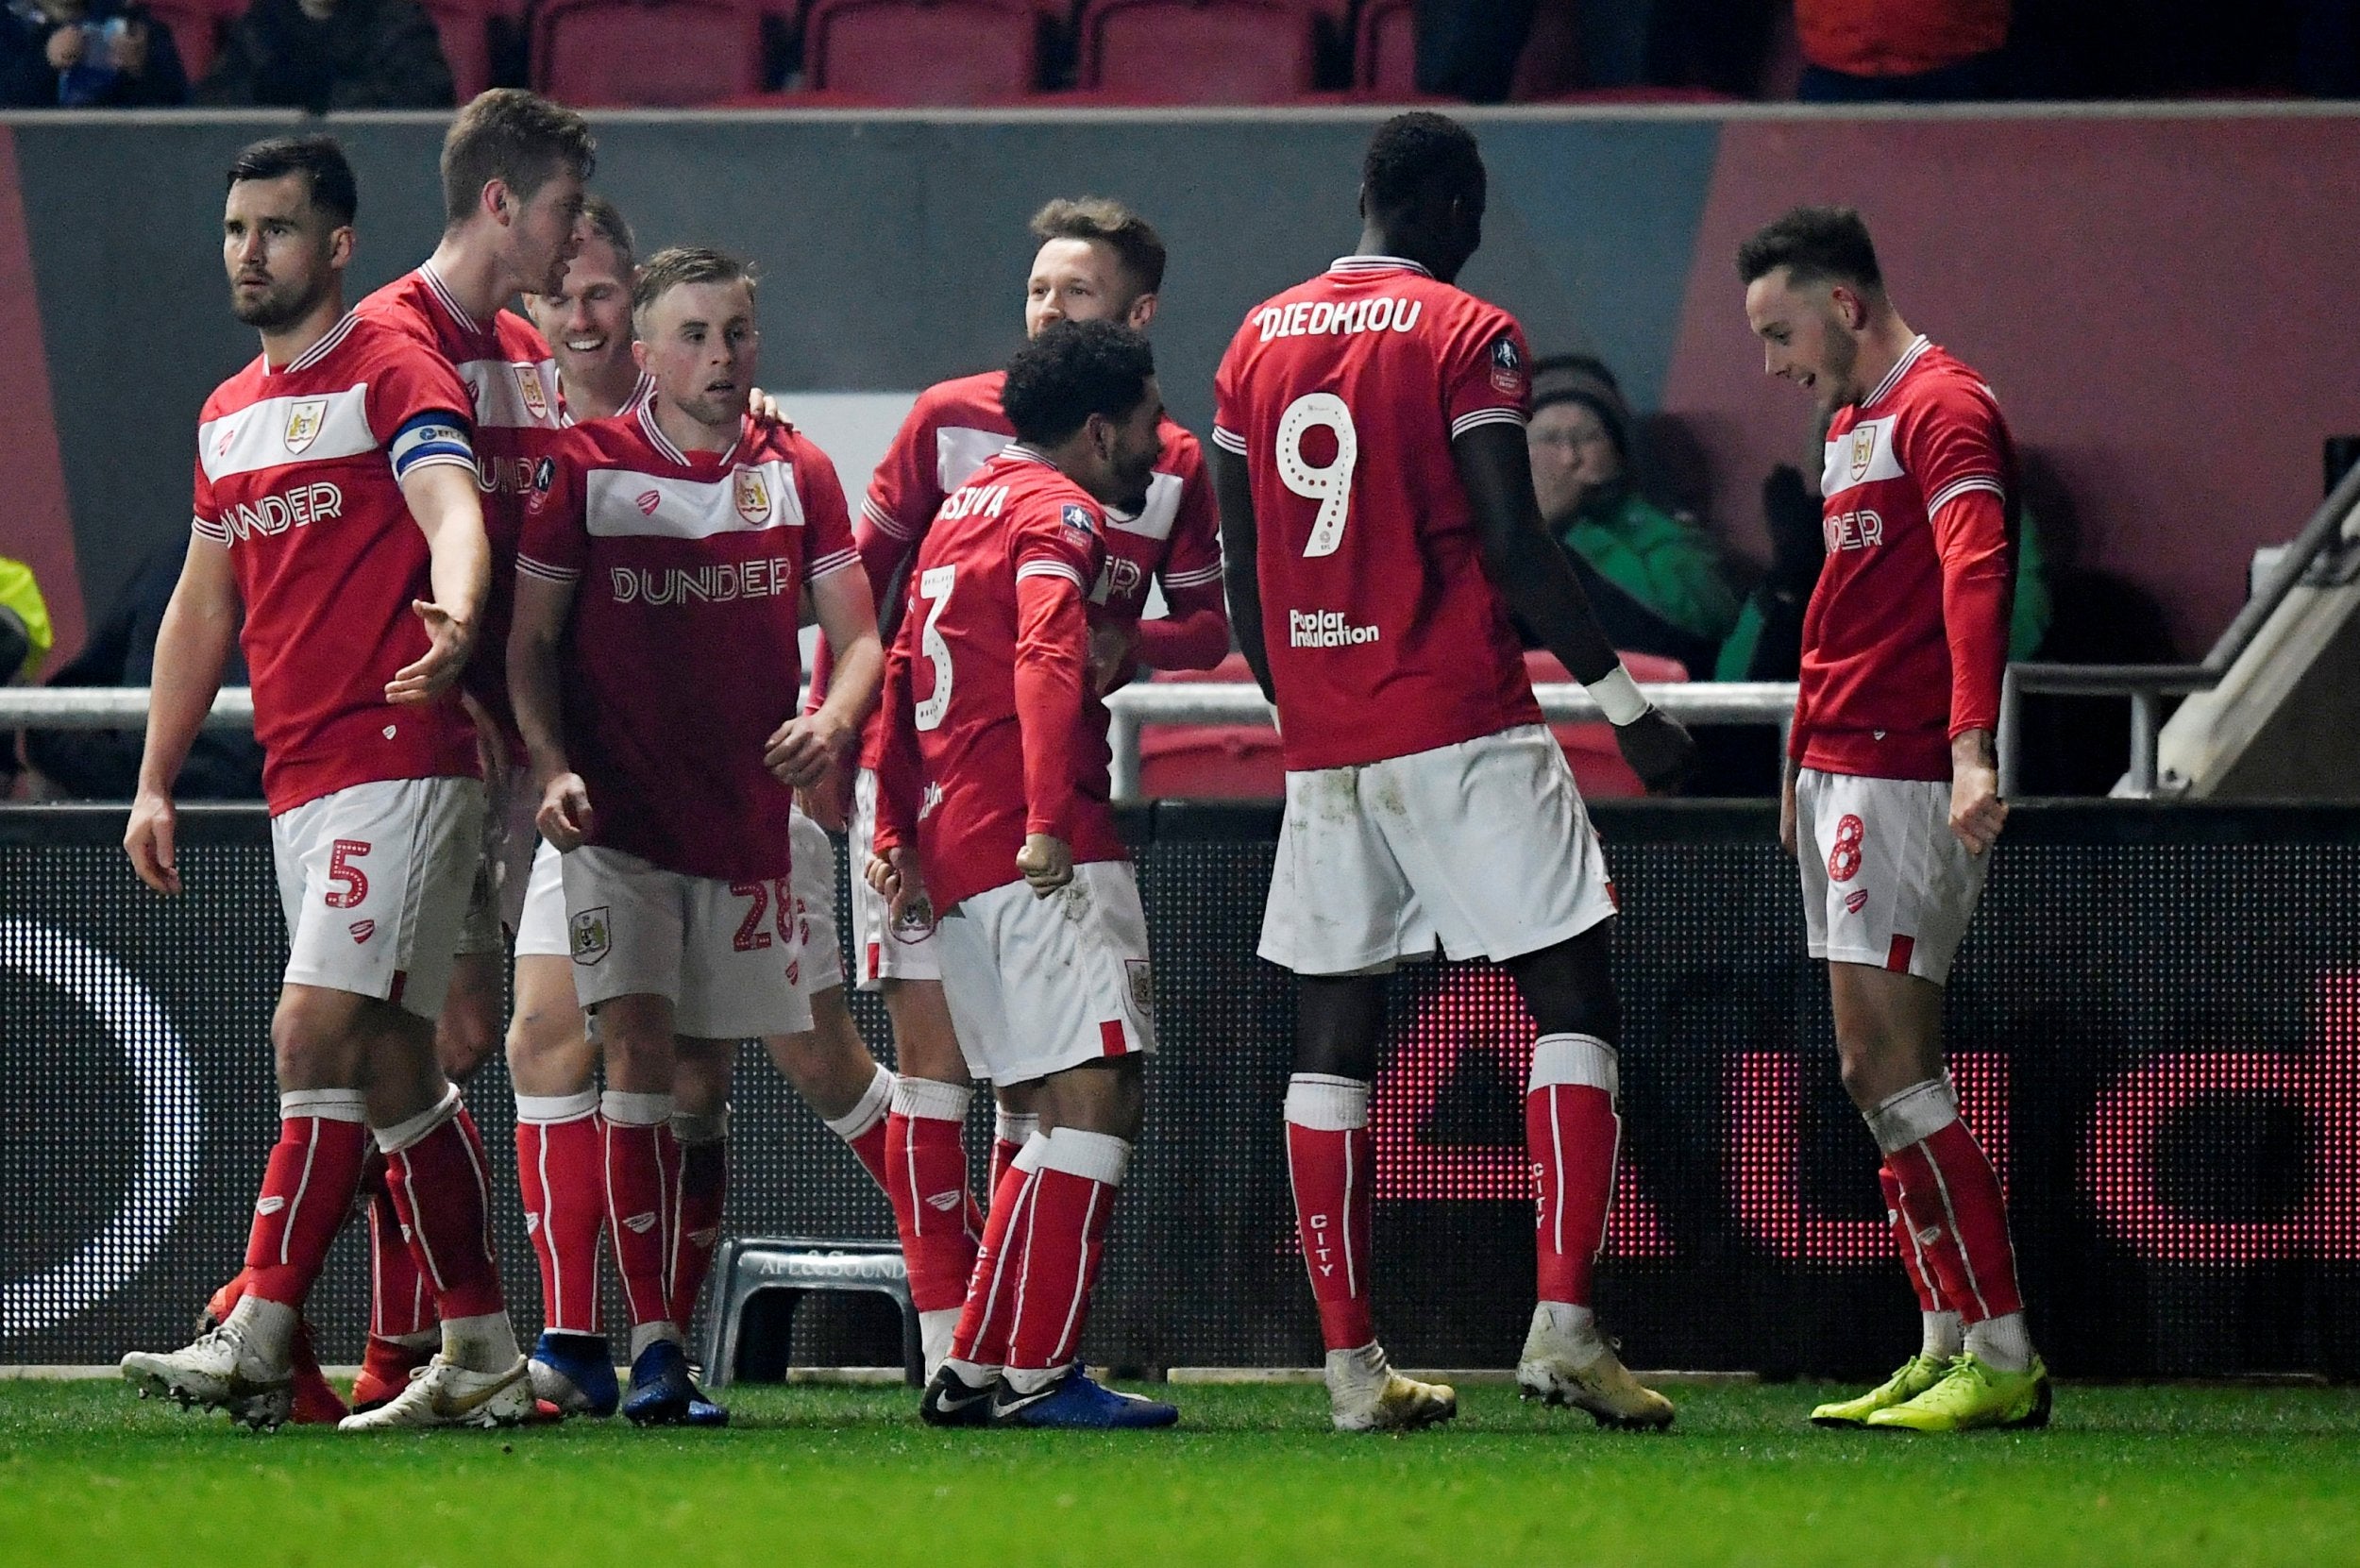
[{"x": 314, "y": 1038}]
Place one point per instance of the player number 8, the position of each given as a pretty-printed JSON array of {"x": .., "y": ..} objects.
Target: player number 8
[
  {"x": 934, "y": 584},
  {"x": 1331, "y": 486}
]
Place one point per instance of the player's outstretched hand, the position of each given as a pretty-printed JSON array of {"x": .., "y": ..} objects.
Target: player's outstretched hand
[
  {"x": 1659, "y": 749},
  {"x": 1976, "y": 812},
  {"x": 148, "y": 843},
  {"x": 807, "y": 748},
  {"x": 450, "y": 640},
  {"x": 566, "y": 818},
  {"x": 1047, "y": 863}
]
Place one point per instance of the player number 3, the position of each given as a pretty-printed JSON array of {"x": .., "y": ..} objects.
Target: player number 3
[
  {"x": 1331, "y": 486},
  {"x": 934, "y": 586}
]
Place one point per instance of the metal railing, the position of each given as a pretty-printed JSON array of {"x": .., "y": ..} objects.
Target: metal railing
[{"x": 2146, "y": 685}]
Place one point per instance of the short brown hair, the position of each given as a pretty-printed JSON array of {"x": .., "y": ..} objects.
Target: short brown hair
[
  {"x": 607, "y": 222},
  {"x": 1132, "y": 238},
  {"x": 675, "y": 265},
  {"x": 1814, "y": 245},
  {"x": 516, "y": 137}
]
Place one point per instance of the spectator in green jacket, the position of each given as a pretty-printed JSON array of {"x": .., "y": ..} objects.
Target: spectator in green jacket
[{"x": 1655, "y": 580}]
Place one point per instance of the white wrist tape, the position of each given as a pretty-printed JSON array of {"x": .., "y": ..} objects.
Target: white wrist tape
[{"x": 1617, "y": 694}]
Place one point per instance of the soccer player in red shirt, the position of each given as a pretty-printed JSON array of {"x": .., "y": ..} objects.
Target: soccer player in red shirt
[
  {"x": 992, "y": 810},
  {"x": 1378, "y": 523},
  {"x": 335, "y": 510},
  {"x": 1892, "y": 783},
  {"x": 1097, "y": 261},
  {"x": 670, "y": 554}
]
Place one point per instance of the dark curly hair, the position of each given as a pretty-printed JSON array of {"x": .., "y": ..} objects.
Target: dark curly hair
[{"x": 1072, "y": 371}]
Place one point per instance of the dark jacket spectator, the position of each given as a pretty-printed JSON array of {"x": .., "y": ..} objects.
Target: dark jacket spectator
[
  {"x": 103, "y": 764},
  {"x": 87, "y": 53},
  {"x": 321, "y": 54}
]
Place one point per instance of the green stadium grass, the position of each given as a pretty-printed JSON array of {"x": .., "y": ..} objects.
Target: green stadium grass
[{"x": 2144, "y": 1476}]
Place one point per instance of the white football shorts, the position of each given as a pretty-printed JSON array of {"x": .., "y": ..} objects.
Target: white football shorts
[
  {"x": 496, "y": 902},
  {"x": 720, "y": 951},
  {"x": 1885, "y": 881},
  {"x": 1038, "y": 985},
  {"x": 881, "y": 953},
  {"x": 819, "y": 963},
  {"x": 1482, "y": 848},
  {"x": 374, "y": 881},
  {"x": 541, "y": 929}
]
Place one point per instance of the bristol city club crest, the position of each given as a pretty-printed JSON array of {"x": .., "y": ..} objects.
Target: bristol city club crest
[
  {"x": 529, "y": 386},
  {"x": 591, "y": 937},
  {"x": 750, "y": 489},
  {"x": 1863, "y": 452},
  {"x": 303, "y": 424}
]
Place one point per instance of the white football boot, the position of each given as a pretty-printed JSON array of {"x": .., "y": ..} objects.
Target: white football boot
[
  {"x": 444, "y": 1394},
  {"x": 1366, "y": 1394},
  {"x": 1558, "y": 1369},
  {"x": 224, "y": 1369}
]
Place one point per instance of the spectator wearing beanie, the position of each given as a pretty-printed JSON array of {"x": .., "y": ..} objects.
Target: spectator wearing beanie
[
  {"x": 1901, "y": 51},
  {"x": 1655, "y": 580}
]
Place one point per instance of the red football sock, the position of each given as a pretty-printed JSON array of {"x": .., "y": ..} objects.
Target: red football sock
[
  {"x": 1073, "y": 1202},
  {"x": 641, "y": 1160},
  {"x": 1329, "y": 1169},
  {"x": 1952, "y": 1196},
  {"x": 989, "y": 1312},
  {"x": 1571, "y": 1133},
  {"x": 401, "y": 1303},
  {"x": 308, "y": 1186},
  {"x": 1905, "y": 1241},
  {"x": 442, "y": 1190},
  {"x": 926, "y": 1178},
  {"x": 863, "y": 1128},
  {"x": 695, "y": 1228},
  {"x": 561, "y": 1173}
]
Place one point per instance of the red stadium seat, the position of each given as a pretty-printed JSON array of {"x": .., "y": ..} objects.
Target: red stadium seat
[
  {"x": 647, "y": 53},
  {"x": 1216, "y": 762},
  {"x": 464, "y": 27},
  {"x": 924, "y": 51},
  {"x": 198, "y": 26},
  {"x": 1200, "y": 51},
  {"x": 1385, "y": 53}
]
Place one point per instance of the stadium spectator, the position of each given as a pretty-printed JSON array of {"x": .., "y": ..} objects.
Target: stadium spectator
[
  {"x": 87, "y": 53},
  {"x": 103, "y": 764},
  {"x": 1901, "y": 51},
  {"x": 1655, "y": 580},
  {"x": 319, "y": 55}
]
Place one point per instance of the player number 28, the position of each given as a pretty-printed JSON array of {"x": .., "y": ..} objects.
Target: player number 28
[
  {"x": 1331, "y": 485},
  {"x": 934, "y": 585}
]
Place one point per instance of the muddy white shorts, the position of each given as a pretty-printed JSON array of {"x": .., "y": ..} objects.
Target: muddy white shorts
[
  {"x": 1482, "y": 848},
  {"x": 374, "y": 879},
  {"x": 881, "y": 953},
  {"x": 1885, "y": 881},
  {"x": 541, "y": 929},
  {"x": 1038, "y": 985},
  {"x": 496, "y": 901},
  {"x": 722, "y": 952}
]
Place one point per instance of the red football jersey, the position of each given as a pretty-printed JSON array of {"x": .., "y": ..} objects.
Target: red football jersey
[
  {"x": 1344, "y": 396},
  {"x": 1906, "y": 635},
  {"x": 298, "y": 473},
  {"x": 507, "y": 369},
  {"x": 956, "y": 427},
  {"x": 988, "y": 731},
  {"x": 680, "y": 657}
]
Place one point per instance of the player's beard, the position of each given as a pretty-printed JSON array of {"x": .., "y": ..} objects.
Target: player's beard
[
  {"x": 282, "y": 305},
  {"x": 1836, "y": 388}
]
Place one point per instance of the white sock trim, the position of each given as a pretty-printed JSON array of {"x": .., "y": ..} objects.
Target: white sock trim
[
  {"x": 2004, "y": 1341},
  {"x": 393, "y": 1140},
  {"x": 1941, "y": 1335},
  {"x": 1099, "y": 1156},
  {"x": 548, "y": 1110},
  {"x": 1915, "y": 1115},
  {"x": 936, "y": 1101},
  {"x": 328, "y": 1104},
  {"x": 1582, "y": 1061},
  {"x": 868, "y": 1110},
  {"x": 1033, "y": 1156},
  {"x": 1014, "y": 1127},
  {"x": 700, "y": 1126},
  {"x": 1326, "y": 1104},
  {"x": 635, "y": 1110}
]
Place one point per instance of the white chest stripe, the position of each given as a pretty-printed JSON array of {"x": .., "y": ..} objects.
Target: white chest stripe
[
  {"x": 750, "y": 498},
  {"x": 959, "y": 452},
  {"x": 1861, "y": 455},
  {"x": 1156, "y": 518},
  {"x": 279, "y": 430}
]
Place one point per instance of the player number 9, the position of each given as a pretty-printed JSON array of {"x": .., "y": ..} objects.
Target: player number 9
[
  {"x": 1331, "y": 486},
  {"x": 933, "y": 585}
]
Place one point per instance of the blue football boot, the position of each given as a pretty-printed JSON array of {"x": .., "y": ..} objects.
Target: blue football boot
[
  {"x": 573, "y": 1375},
  {"x": 1076, "y": 1403},
  {"x": 661, "y": 1391}
]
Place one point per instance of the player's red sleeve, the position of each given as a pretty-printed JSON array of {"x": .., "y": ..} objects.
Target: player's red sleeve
[
  {"x": 827, "y": 522},
  {"x": 1057, "y": 548},
  {"x": 1958, "y": 450},
  {"x": 900, "y": 772},
  {"x": 1485, "y": 369},
  {"x": 1229, "y": 412},
  {"x": 555, "y": 539},
  {"x": 412, "y": 379},
  {"x": 204, "y": 516},
  {"x": 1194, "y": 632},
  {"x": 904, "y": 496}
]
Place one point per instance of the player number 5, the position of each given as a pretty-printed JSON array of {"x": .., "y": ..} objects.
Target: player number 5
[
  {"x": 1331, "y": 486},
  {"x": 934, "y": 586}
]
